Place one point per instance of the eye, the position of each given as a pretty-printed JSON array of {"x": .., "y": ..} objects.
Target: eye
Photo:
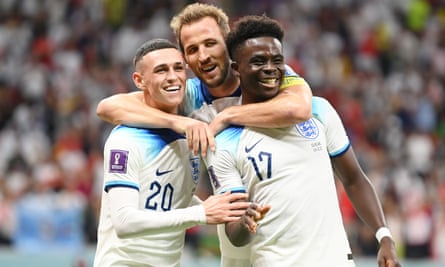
[
  {"x": 278, "y": 60},
  {"x": 210, "y": 43},
  {"x": 258, "y": 61},
  {"x": 160, "y": 70},
  {"x": 179, "y": 67},
  {"x": 191, "y": 50}
]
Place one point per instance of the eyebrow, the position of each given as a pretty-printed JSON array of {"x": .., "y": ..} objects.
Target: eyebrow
[{"x": 163, "y": 65}]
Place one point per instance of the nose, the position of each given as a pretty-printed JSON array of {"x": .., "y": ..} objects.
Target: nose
[
  {"x": 171, "y": 74},
  {"x": 269, "y": 67},
  {"x": 202, "y": 54}
]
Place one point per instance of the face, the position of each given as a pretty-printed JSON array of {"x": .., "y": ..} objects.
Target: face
[
  {"x": 161, "y": 75},
  {"x": 260, "y": 65},
  {"x": 205, "y": 51}
]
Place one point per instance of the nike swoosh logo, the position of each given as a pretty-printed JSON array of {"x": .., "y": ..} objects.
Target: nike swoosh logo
[
  {"x": 159, "y": 173},
  {"x": 248, "y": 149}
]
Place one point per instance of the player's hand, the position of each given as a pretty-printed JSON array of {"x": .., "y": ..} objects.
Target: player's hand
[
  {"x": 218, "y": 124},
  {"x": 387, "y": 256},
  {"x": 253, "y": 214},
  {"x": 226, "y": 207},
  {"x": 199, "y": 136}
]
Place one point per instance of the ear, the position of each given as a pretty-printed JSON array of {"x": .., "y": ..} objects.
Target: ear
[
  {"x": 138, "y": 81},
  {"x": 235, "y": 66}
]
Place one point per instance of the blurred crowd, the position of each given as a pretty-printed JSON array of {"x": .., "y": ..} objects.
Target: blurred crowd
[{"x": 381, "y": 63}]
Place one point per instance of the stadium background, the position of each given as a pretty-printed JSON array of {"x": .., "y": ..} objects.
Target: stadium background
[{"x": 381, "y": 63}]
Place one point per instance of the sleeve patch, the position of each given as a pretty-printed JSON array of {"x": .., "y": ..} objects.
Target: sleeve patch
[{"x": 118, "y": 161}]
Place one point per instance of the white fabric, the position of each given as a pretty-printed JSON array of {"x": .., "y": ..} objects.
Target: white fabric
[
  {"x": 128, "y": 220},
  {"x": 289, "y": 169},
  {"x": 381, "y": 233},
  {"x": 149, "y": 181}
]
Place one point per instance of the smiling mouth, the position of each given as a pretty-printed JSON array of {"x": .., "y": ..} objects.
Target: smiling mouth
[
  {"x": 209, "y": 68},
  {"x": 271, "y": 81},
  {"x": 173, "y": 88}
]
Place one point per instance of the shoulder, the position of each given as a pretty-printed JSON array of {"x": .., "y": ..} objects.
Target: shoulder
[
  {"x": 321, "y": 108},
  {"x": 193, "y": 83},
  {"x": 291, "y": 78},
  {"x": 228, "y": 139},
  {"x": 230, "y": 133},
  {"x": 143, "y": 135},
  {"x": 290, "y": 71}
]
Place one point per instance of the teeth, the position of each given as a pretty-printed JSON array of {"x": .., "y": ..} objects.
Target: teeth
[
  {"x": 269, "y": 81},
  {"x": 208, "y": 68},
  {"x": 172, "y": 88}
]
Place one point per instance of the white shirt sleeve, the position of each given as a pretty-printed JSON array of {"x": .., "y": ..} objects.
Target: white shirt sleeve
[
  {"x": 223, "y": 174},
  {"x": 338, "y": 140},
  {"x": 128, "y": 220}
]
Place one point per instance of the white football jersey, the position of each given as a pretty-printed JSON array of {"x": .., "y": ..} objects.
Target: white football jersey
[
  {"x": 289, "y": 169},
  {"x": 200, "y": 104},
  {"x": 158, "y": 164}
]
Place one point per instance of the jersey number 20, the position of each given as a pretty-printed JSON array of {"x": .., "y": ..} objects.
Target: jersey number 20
[{"x": 166, "y": 194}]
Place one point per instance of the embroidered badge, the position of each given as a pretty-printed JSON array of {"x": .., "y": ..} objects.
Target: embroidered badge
[
  {"x": 118, "y": 161},
  {"x": 308, "y": 129},
  {"x": 195, "y": 169}
]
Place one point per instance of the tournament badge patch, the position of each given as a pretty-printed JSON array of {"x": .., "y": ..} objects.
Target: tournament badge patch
[
  {"x": 308, "y": 129},
  {"x": 118, "y": 161}
]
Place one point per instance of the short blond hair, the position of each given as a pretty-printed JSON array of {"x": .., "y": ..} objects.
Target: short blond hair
[{"x": 194, "y": 12}]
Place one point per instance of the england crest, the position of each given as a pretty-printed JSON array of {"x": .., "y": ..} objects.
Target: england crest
[
  {"x": 194, "y": 162},
  {"x": 308, "y": 129}
]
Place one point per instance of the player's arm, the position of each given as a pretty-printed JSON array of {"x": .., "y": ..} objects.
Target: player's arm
[
  {"x": 129, "y": 221},
  {"x": 366, "y": 203},
  {"x": 292, "y": 105},
  {"x": 241, "y": 232},
  {"x": 130, "y": 109},
  {"x": 225, "y": 177}
]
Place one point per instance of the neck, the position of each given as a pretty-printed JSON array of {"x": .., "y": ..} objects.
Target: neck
[{"x": 231, "y": 83}]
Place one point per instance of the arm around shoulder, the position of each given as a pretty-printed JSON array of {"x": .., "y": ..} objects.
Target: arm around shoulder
[
  {"x": 291, "y": 106},
  {"x": 130, "y": 109},
  {"x": 119, "y": 108}
]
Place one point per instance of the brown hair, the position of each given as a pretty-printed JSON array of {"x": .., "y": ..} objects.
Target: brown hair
[
  {"x": 194, "y": 12},
  {"x": 151, "y": 45}
]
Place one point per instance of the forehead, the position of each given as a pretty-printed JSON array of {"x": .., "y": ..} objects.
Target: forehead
[
  {"x": 197, "y": 31},
  {"x": 261, "y": 45},
  {"x": 163, "y": 56}
]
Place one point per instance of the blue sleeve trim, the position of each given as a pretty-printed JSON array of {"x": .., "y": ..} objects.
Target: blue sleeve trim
[
  {"x": 113, "y": 184},
  {"x": 235, "y": 190},
  {"x": 340, "y": 151}
]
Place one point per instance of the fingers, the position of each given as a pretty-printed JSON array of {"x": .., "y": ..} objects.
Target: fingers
[
  {"x": 236, "y": 201},
  {"x": 387, "y": 263},
  {"x": 200, "y": 137},
  {"x": 211, "y": 140},
  {"x": 196, "y": 139},
  {"x": 249, "y": 222},
  {"x": 387, "y": 256},
  {"x": 252, "y": 226},
  {"x": 253, "y": 214},
  {"x": 236, "y": 196},
  {"x": 391, "y": 263},
  {"x": 257, "y": 212}
]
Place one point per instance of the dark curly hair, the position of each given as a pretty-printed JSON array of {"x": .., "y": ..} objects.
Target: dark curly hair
[{"x": 253, "y": 26}]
